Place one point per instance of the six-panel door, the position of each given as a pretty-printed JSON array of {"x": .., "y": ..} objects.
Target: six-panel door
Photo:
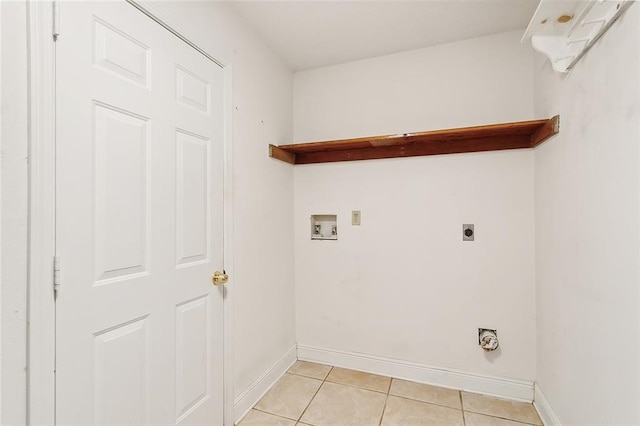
[{"x": 139, "y": 222}]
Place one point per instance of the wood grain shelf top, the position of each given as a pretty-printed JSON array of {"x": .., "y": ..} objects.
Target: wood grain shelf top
[{"x": 494, "y": 137}]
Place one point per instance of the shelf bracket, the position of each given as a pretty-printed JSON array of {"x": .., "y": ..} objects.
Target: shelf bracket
[{"x": 565, "y": 30}]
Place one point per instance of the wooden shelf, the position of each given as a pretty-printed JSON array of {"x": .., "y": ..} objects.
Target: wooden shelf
[{"x": 518, "y": 135}]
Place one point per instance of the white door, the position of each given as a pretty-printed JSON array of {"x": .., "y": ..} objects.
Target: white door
[{"x": 139, "y": 222}]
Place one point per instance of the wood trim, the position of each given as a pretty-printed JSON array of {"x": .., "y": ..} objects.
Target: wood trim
[
  {"x": 228, "y": 257},
  {"x": 495, "y": 137},
  {"x": 415, "y": 150},
  {"x": 550, "y": 128},
  {"x": 40, "y": 402},
  {"x": 282, "y": 154}
]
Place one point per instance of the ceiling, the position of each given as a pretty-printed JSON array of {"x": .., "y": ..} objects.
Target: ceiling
[{"x": 312, "y": 34}]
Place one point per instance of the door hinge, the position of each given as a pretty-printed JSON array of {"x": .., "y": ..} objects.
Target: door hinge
[
  {"x": 56, "y": 274},
  {"x": 56, "y": 20}
]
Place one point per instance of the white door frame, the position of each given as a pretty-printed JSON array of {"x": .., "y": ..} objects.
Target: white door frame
[{"x": 40, "y": 301}]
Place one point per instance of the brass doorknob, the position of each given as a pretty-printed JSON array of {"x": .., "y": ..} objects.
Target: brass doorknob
[{"x": 219, "y": 278}]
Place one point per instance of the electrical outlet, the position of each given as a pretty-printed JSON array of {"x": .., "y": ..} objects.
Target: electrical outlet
[{"x": 355, "y": 217}]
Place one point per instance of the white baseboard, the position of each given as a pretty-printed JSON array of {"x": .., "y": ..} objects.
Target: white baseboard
[
  {"x": 544, "y": 409},
  {"x": 513, "y": 389},
  {"x": 256, "y": 390}
]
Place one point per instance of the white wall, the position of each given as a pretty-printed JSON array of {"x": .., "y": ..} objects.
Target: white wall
[
  {"x": 587, "y": 233},
  {"x": 473, "y": 82},
  {"x": 14, "y": 212},
  {"x": 261, "y": 284},
  {"x": 404, "y": 285}
]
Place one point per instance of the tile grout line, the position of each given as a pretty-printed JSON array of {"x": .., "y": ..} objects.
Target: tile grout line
[
  {"x": 488, "y": 415},
  {"x": 357, "y": 387},
  {"x": 425, "y": 402},
  {"x": 383, "y": 410},
  {"x": 387, "y": 394},
  {"x": 401, "y": 397},
  {"x": 310, "y": 401},
  {"x": 386, "y": 400},
  {"x": 503, "y": 418},
  {"x": 302, "y": 375},
  {"x": 314, "y": 396},
  {"x": 271, "y": 414}
]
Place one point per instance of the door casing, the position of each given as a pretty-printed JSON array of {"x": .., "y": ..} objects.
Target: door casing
[{"x": 41, "y": 245}]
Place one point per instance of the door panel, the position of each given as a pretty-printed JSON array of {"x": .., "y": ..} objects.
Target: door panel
[
  {"x": 120, "y": 53},
  {"x": 192, "y": 192},
  {"x": 139, "y": 222},
  {"x": 192, "y": 90},
  {"x": 121, "y": 194},
  {"x": 192, "y": 372},
  {"x": 121, "y": 357}
]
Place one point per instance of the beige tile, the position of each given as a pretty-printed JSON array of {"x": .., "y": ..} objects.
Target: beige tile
[
  {"x": 359, "y": 379},
  {"x": 407, "y": 412},
  {"x": 473, "y": 419},
  {"x": 289, "y": 396},
  {"x": 344, "y": 405},
  {"x": 426, "y": 393},
  {"x": 310, "y": 369},
  {"x": 519, "y": 411},
  {"x": 258, "y": 418}
]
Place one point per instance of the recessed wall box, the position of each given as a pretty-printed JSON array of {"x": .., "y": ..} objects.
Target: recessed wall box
[
  {"x": 468, "y": 233},
  {"x": 488, "y": 339},
  {"x": 324, "y": 227}
]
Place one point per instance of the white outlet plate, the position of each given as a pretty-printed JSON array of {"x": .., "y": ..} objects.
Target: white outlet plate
[{"x": 355, "y": 217}]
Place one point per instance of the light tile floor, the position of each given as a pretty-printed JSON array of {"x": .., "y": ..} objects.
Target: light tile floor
[{"x": 321, "y": 395}]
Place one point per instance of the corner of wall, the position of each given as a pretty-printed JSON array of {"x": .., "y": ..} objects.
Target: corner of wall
[
  {"x": 261, "y": 385},
  {"x": 544, "y": 409}
]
